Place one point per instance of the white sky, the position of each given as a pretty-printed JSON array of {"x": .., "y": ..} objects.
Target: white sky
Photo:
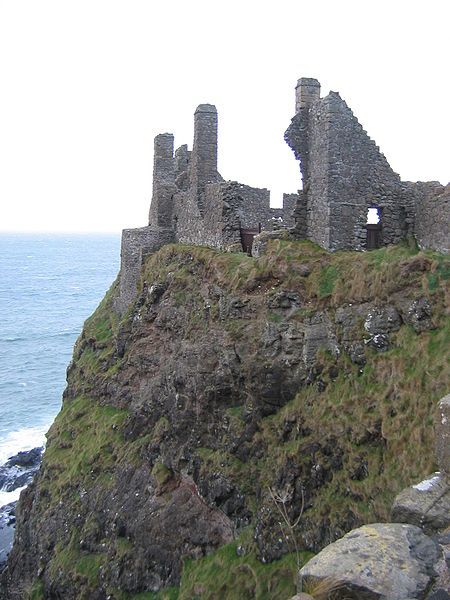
[{"x": 85, "y": 85}]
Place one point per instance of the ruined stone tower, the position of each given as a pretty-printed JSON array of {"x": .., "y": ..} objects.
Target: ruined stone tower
[
  {"x": 203, "y": 167},
  {"x": 344, "y": 174}
]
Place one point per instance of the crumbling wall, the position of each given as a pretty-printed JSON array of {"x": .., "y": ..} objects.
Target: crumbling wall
[
  {"x": 431, "y": 202},
  {"x": 359, "y": 177},
  {"x": 290, "y": 203},
  {"x": 161, "y": 207},
  {"x": 307, "y": 136},
  {"x": 298, "y": 215},
  {"x": 203, "y": 161},
  {"x": 192, "y": 227},
  {"x": 137, "y": 243},
  {"x": 344, "y": 173},
  {"x": 251, "y": 204}
]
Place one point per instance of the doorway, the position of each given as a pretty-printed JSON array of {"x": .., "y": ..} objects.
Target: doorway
[{"x": 373, "y": 228}]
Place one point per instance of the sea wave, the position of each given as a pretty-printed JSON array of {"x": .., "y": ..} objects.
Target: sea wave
[
  {"x": 22, "y": 439},
  {"x": 8, "y": 497}
]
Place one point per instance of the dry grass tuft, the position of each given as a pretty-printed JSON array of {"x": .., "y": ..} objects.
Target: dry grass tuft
[{"x": 324, "y": 589}]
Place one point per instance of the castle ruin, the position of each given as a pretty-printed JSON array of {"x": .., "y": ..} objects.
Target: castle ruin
[{"x": 345, "y": 177}]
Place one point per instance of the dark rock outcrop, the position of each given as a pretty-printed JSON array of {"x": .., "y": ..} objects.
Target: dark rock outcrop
[{"x": 230, "y": 381}]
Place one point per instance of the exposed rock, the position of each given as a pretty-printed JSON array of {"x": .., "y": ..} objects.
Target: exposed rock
[
  {"x": 426, "y": 504},
  {"x": 19, "y": 470},
  {"x": 349, "y": 318},
  {"x": 442, "y": 431},
  {"x": 357, "y": 353},
  {"x": 379, "y": 341},
  {"x": 7, "y": 522},
  {"x": 382, "y": 320},
  {"x": 26, "y": 459},
  {"x": 379, "y": 322},
  {"x": 417, "y": 313},
  {"x": 285, "y": 299},
  {"x": 319, "y": 335},
  {"x": 382, "y": 561},
  {"x": 165, "y": 446},
  {"x": 439, "y": 595}
]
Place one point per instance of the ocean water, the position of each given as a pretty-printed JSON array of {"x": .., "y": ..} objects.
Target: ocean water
[{"x": 49, "y": 285}]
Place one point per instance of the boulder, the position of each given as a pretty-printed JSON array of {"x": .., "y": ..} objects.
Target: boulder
[
  {"x": 382, "y": 561},
  {"x": 442, "y": 432},
  {"x": 426, "y": 504}
]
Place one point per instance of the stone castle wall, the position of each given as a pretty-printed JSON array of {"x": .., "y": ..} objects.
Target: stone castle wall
[
  {"x": 136, "y": 244},
  {"x": 192, "y": 204},
  {"x": 359, "y": 177},
  {"x": 431, "y": 202},
  {"x": 343, "y": 174}
]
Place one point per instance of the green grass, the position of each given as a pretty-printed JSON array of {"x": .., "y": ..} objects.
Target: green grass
[
  {"x": 36, "y": 591},
  {"x": 327, "y": 279},
  {"x": 225, "y": 574},
  {"x": 81, "y": 442}
]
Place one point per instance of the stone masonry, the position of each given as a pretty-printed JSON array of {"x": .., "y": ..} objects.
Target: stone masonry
[
  {"x": 344, "y": 174},
  {"x": 192, "y": 204}
]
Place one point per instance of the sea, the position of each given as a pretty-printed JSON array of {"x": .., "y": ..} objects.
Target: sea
[{"x": 49, "y": 285}]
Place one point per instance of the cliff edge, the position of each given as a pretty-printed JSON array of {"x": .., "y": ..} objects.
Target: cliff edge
[{"x": 235, "y": 390}]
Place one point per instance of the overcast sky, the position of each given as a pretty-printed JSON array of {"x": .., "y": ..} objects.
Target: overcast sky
[{"x": 87, "y": 84}]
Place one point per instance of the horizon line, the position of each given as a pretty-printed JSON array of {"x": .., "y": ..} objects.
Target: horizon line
[{"x": 59, "y": 232}]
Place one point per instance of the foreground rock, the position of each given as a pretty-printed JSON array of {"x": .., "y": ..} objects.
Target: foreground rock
[
  {"x": 426, "y": 504},
  {"x": 382, "y": 561}
]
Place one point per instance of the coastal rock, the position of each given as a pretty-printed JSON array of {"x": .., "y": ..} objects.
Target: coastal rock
[
  {"x": 319, "y": 335},
  {"x": 382, "y": 561},
  {"x": 440, "y": 594},
  {"x": 7, "y": 522},
  {"x": 426, "y": 504},
  {"x": 18, "y": 471},
  {"x": 26, "y": 458}
]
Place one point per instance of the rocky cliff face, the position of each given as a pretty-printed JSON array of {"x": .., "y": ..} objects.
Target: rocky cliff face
[{"x": 234, "y": 390}]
